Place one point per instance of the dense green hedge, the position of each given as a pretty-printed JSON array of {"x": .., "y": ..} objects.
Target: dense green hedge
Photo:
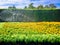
[
  {"x": 44, "y": 15},
  {"x": 41, "y": 15}
]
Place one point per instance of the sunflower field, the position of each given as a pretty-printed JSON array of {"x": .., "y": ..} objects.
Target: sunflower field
[{"x": 30, "y": 31}]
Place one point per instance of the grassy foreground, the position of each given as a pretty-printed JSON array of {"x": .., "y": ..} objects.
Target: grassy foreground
[{"x": 30, "y": 31}]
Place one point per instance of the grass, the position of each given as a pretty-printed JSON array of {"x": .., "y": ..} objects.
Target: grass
[{"x": 34, "y": 9}]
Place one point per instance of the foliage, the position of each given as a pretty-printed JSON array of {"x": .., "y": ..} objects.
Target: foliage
[
  {"x": 39, "y": 7},
  {"x": 25, "y": 7},
  {"x": 46, "y": 6},
  {"x": 31, "y": 6},
  {"x": 31, "y": 15},
  {"x": 52, "y": 6},
  {"x": 12, "y": 7},
  {"x": 32, "y": 31}
]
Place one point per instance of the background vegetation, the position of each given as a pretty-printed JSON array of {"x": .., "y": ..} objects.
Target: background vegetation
[{"x": 35, "y": 14}]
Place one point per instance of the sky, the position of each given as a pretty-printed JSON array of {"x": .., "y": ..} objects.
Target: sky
[{"x": 22, "y": 3}]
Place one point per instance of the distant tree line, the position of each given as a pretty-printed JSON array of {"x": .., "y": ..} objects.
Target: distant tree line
[
  {"x": 30, "y": 6},
  {"x": 40, "y": 6}
]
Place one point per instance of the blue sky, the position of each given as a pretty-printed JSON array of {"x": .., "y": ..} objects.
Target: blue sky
[{"x": 22, "y": 3}]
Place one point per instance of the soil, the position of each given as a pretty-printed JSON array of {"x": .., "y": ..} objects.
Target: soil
[{"x": 29, "y": 43}]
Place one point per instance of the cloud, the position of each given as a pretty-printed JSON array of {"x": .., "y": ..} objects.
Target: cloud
[{"x": 22, "y": 3}]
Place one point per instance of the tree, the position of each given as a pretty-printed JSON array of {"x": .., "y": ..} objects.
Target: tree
[
  {"x": 25, "y": 7},
  {"x": 52, "y": 6},
  {"x": 31, "y": 6},
  {"x": 46, "y": 6},
  {"x": 12, "y": 7},
  {"x": 40, "y": 7}
]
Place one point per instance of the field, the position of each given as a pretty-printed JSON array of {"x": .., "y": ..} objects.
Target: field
[{"x": 30, "y": 31}]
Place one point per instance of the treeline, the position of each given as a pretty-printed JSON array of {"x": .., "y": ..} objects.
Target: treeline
[
  {"x": 31, "y": 6},
  {"x": 50, "y": 6}
]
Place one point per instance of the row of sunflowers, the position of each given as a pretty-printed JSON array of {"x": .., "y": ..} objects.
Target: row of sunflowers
[
  {"x": 33, "y": 27},
  {"x": 30, "y": 31}
]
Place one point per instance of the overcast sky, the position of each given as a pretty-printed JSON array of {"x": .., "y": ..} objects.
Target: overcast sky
[{"x": 22, "y": 3}]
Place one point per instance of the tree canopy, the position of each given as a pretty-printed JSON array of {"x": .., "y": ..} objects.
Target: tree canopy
[{"x": 31, "y": 6}]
